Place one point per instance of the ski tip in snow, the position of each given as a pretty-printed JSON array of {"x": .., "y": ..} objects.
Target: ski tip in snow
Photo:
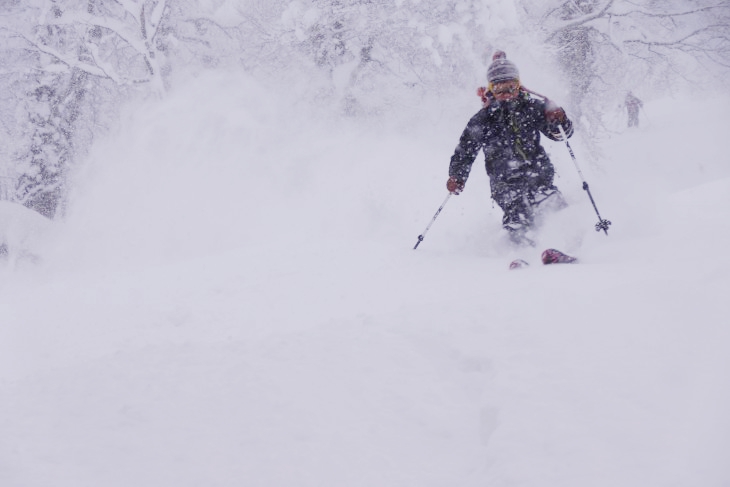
[
  {"x": 552, "y": 256},
  {"x": 518, "y": 264},
  {"x": 549, "y": 256}
]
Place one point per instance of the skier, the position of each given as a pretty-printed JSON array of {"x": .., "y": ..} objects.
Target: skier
[
  {"x": 507, "y": 129},
  {"x": 633, "y": 105}
]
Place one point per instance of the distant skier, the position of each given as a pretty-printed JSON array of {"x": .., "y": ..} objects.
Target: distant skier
[
  {"x": 633, "y": 105},
  {"x": 507, "y": 129}
]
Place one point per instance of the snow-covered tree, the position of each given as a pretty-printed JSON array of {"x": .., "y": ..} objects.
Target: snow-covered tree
[
  {"x": 368, "y": 53},
  {"x": 69, "y": 64},
  {"x": 613, "y": 45}
]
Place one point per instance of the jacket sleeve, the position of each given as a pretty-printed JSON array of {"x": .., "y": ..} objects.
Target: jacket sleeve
[{"x": 467, "y": 149}]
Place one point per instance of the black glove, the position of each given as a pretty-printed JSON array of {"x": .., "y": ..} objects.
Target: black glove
[{"x": 454, "y": 185}]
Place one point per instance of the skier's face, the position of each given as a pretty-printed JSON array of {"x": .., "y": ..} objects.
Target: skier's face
[{"x": 506, "y": 90}]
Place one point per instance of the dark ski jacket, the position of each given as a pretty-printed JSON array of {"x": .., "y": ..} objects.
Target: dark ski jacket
[{"x": 509, "y": 134}]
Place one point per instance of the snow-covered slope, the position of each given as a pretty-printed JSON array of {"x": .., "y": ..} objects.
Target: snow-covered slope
[{"x": 234, "y": 300}]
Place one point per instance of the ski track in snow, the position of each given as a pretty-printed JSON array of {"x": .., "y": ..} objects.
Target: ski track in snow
[{"x": 233, "y": 299}]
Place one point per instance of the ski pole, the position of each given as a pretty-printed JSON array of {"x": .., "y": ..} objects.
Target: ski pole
[
  {"x": 602, "y": 224},
  {"x": 421, "y": 236}
]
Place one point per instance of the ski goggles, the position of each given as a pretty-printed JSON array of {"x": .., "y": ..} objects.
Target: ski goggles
[{"x": 509, "y": 87}]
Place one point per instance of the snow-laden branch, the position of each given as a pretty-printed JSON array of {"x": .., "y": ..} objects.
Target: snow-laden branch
[
  {"x": 131, "y": 7},
  {"x": 629, "y": 13},
  {"x": 155, "y": 16},
  {"x": 150, "y": 23},
  {"x": 107, "y": 68},
  {"x": 114, "y": 25},
  {"x": 70, "y": 62},
  {"x": 582, "y": 20},
  {"x": 681, "y": 41},
  {"x": 205, "y": 20},
  {"x": 122, "y": 30}
]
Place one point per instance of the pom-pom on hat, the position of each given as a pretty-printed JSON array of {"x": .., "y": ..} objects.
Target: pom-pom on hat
[{"x": 501, "y": 69}]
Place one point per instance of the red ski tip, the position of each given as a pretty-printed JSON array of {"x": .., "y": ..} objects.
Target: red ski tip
[
  {"x": 518, "y": 264},
  {"x": 552, "y": 256}
]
